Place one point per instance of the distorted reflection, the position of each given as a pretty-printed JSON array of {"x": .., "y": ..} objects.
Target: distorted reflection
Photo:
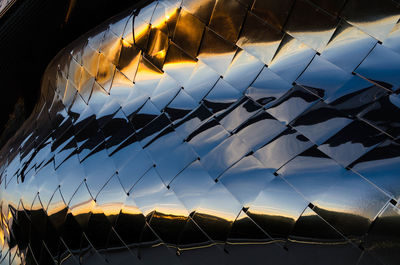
[{"x": 213, "y": 132}]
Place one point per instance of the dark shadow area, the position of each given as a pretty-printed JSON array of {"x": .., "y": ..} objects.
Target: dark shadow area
[{"x": 31, "y": 34}]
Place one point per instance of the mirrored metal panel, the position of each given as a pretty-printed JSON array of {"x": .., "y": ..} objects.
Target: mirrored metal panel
[{"x": 213, "y": 132}]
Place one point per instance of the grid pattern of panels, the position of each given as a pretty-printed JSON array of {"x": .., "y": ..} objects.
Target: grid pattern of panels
[{"x": 214, "y": 132}]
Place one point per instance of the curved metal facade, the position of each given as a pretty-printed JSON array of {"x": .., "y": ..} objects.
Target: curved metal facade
[{"x": 214, "y": 132}]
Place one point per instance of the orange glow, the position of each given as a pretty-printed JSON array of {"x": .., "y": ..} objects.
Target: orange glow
[
  {"x": 272, "y": 212},
  {"x": 108, "y": 208},
  {"x": 55, "y": 207},
  {"x": 171, "y": 213},
  {"x": 131, "y": 210},
  {"x": 215, "y": 215},
  {"x": 129, "y": 60},
  {"x": 71, "y": 6},
  {"x": 1, "y": 237},
  {"x": 146, "y": 71},
  {"x": 106, "y": 70},
  {"x": 143, "y": 27},
  {"x": 82, "y": 208}
]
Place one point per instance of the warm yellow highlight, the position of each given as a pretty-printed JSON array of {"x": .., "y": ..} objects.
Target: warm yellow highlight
[{"x": 82, "y": 208}]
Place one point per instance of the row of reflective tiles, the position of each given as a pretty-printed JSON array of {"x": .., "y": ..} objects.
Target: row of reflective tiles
[{"x": 213, "y": 131}]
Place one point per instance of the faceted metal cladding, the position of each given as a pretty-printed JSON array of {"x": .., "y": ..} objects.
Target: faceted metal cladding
[{"x": 214, "y": 132}]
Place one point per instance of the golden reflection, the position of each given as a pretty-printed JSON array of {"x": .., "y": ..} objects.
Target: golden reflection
[
  {"x": 200, "y": 8},
  {"x": 227, "y": 19},
  {"x": 83, "y": 207},
  {"x": 178, "y": 64},
  {"x": 171, "y": 213},
  {"x": 259, "y": 39},
  {"x": 126, "y": 43},
  {"x": 55, "y": 207},
  {"x": 128, "y": 32},
  {"x": 159, "y": 19},
  {"x": 212, "y": 44},
  {"x": 108, "y": 209},
  {"x": 147, "y": 71},
  {"x": 105, "y": 72},
  {"x": 157, "y": 46},
  {"x": 216, "y": 52},
  {"x": 36, "y": 205},
  {"x": 121, "y": 86},
  {"x": 216, "y": 215},
  {"x": 130, "y": 210},
  {"x": 160, "y": 54},
  {"x": 351, "y": 210},
  {"x": 129, "y": 60},
  {"x": 141, "y": 33},
  {"x": 1, "y": 237},
  {"x": 171, "y": 19},
  {"x": 174, "y": 42},
  {"x": 71, "y": 6},
  {"x": 266, "y": 212},
  {"x": 165, "y": 15},
  {"x": 3, "y": 229},
  {"x": 9, "y": 216},
  {"x": 188, "y": 33},
  {"x": 176, "y": 67}
]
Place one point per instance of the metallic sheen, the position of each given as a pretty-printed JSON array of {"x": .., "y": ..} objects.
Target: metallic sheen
[{"x": 214, "y": 132}]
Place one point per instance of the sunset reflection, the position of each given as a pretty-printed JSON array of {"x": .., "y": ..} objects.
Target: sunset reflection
[{"x": 213, "y": 132}]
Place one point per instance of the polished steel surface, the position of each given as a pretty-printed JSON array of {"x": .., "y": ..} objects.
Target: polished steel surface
[{"x": 214, "y": 132}]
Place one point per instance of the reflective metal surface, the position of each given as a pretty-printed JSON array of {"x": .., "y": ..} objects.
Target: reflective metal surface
[
  {"x": 5, "y": 5},
  {"x": 214, "y": 132}
]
